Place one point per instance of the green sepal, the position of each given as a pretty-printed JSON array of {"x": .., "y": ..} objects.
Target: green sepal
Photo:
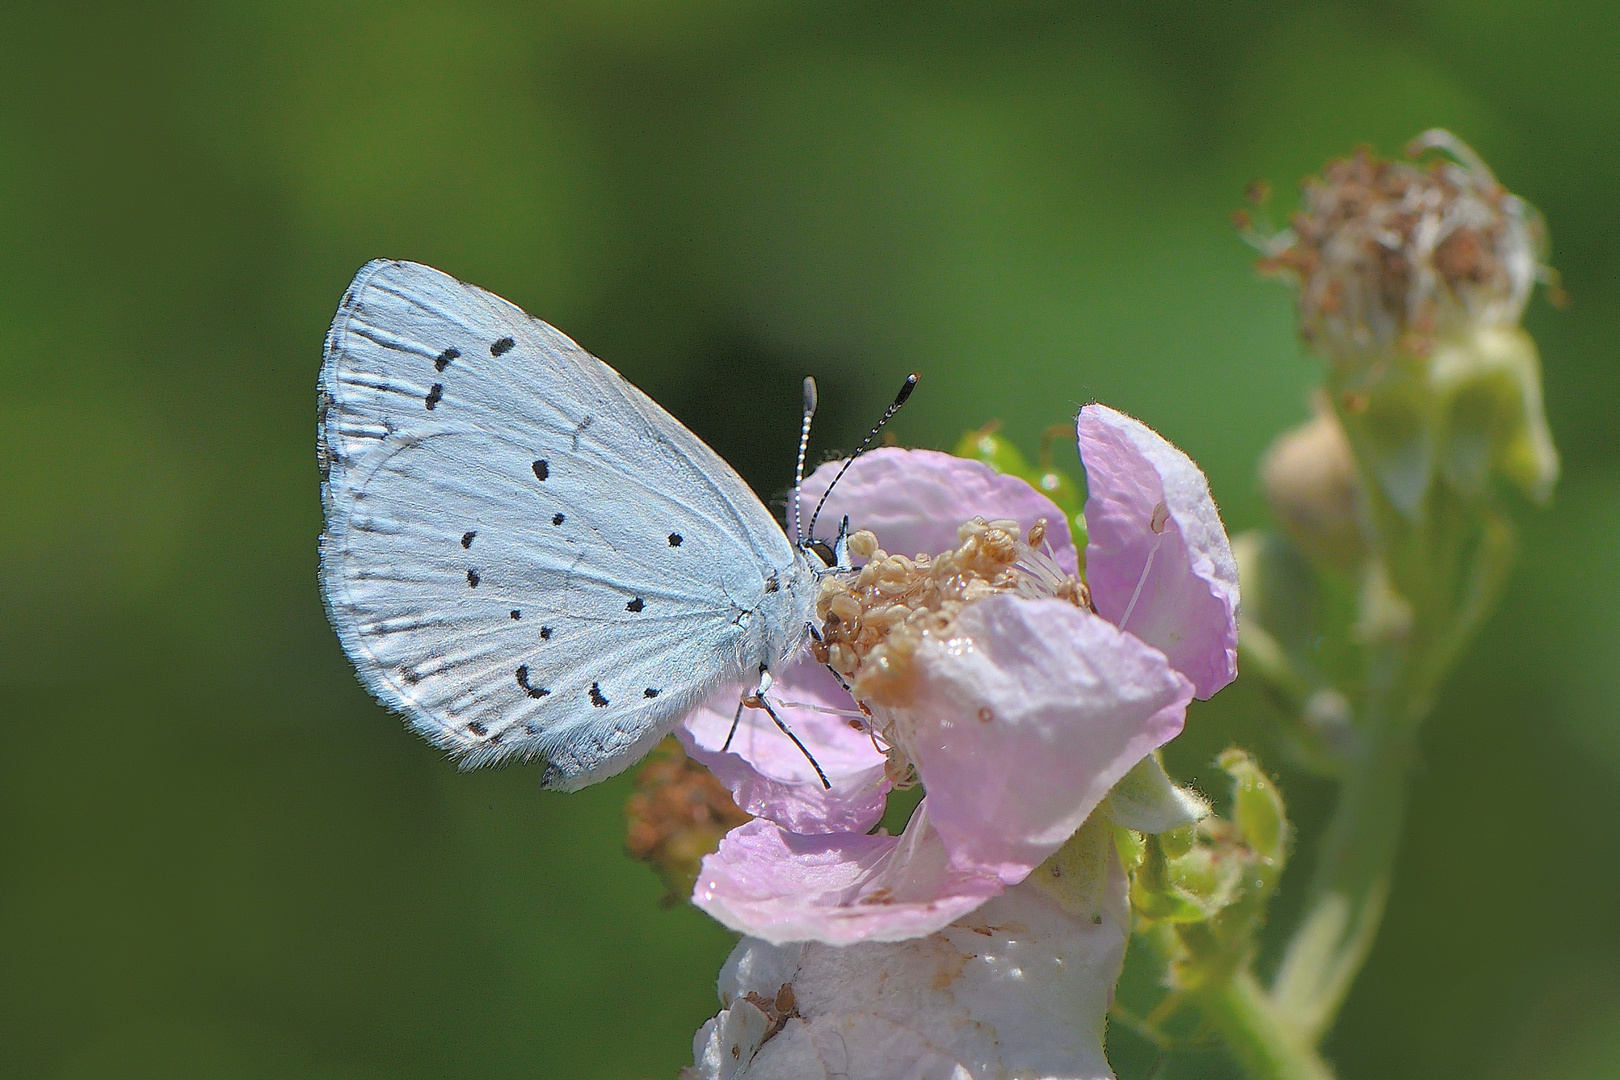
[
  {"x": 1076, "y": 875},
  {"x": 1490, "y": 415},
  {"x": 1148, "y": 801},
  {"x": 1465, "y": 411},
  {"x": 1388, "y": 424}
]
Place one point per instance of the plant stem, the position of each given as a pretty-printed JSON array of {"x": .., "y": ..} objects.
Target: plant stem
[
  {"x": 1346, "y": 898},
  {"x": 1269, "y": 1045}
]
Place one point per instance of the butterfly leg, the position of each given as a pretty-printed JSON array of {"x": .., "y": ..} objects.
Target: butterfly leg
[
  {"x": 735, "y": 720},
  {"x": 756, "y": 699}
]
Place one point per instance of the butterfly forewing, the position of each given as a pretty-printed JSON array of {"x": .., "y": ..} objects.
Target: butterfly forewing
[{"x": 524, "y": 554}]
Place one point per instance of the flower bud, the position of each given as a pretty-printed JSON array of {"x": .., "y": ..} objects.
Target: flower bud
[
  {"x": 1257, "y": 810},
  {"x": 1210, "y": 882},
  {"x": 1310, "y": 480},
  {"x": 989, "y": 446}
]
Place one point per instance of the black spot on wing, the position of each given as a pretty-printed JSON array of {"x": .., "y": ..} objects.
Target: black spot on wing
[
  {"x": 674, "y": 539},
  {"x": 557, "y": 519},
  {"x": 649, "y": 693},
  {"x": 467, "y": 537},
  {"x": 541, "y": 470},
  {"x": 528, "y": 688},
  {"x": 435, "y": 395},
  {"x": 635, "y": 605},
  {"x": 444, "y": 359},
  {"x": 545, "y": 633},
  {"x": 472, "y": 578},
  {"x": 502, "y": 347},
  {"x": 772, "y": 584},
  {"x": 516, "y": 614},
  {"x": 596, "y": 696},
  {"x": 477, "y": 728}
]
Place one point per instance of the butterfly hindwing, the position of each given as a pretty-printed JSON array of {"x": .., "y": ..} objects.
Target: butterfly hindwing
[{"x": 524, "y": 554}]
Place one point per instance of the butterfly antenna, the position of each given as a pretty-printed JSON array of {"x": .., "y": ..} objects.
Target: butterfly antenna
[
  {"x": 899, "y": 399},
  {"x": 804, "y": 445}
]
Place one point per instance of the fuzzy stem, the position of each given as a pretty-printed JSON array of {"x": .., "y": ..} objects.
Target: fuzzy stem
[
  {"x": 1267, "y": 1043},
  {"x": 1346, "y": 899}
]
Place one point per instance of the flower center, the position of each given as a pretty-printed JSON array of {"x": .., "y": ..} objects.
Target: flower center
[{"x": 875, "y": 619}]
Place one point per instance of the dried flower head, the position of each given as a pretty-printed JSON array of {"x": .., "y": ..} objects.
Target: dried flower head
[
  {"x": 677, "y": 815},
  {"x": 1392, "y": 254}
]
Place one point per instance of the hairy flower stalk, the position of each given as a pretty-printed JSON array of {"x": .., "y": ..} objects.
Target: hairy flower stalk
[{"x": 1412, "y": 277}]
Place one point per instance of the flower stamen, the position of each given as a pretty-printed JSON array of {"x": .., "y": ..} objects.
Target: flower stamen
[{"x": 874, "y": 619}]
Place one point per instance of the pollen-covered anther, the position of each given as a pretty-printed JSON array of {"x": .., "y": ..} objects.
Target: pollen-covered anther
[{"x": 874, "y": 620}]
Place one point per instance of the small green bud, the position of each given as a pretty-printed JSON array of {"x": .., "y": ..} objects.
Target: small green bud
[
  {"x": 1178, "y": 842},
  {"x": 1200, "y": 891},
  {"x": 1132, "y": 847},
  {"x": 1257, "y": 807},
  {"x": 1162, "y": 892},
  {"x": 989, "y": 446}
]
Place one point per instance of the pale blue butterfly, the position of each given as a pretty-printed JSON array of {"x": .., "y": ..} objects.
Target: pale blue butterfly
[{"x": 524, "y": 554}]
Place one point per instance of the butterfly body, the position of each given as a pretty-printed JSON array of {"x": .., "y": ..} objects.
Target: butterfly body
[{"x": 524, "y": 554}]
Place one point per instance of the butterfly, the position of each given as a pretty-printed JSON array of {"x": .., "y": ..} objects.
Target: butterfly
[{"x": 524, "y": 554}]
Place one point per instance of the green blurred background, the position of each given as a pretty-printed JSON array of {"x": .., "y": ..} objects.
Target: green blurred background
[{"x": 219, "y": 859}]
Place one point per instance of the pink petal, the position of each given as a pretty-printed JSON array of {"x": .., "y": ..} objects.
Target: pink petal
[
  {"x": 1019, "y": 988},
  {"x": 1158, "y": 561},
  {"x": 1025, "y": 718},
  {"x": 915, "y": 499},
  {"x": 772, "y": 884},
  {"x": 769, "y": 777}
]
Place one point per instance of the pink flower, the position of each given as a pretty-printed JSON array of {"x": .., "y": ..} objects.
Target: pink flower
[
  {"x": 1020, "y": 987},
  {"x": 1016, "y": 704}
]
